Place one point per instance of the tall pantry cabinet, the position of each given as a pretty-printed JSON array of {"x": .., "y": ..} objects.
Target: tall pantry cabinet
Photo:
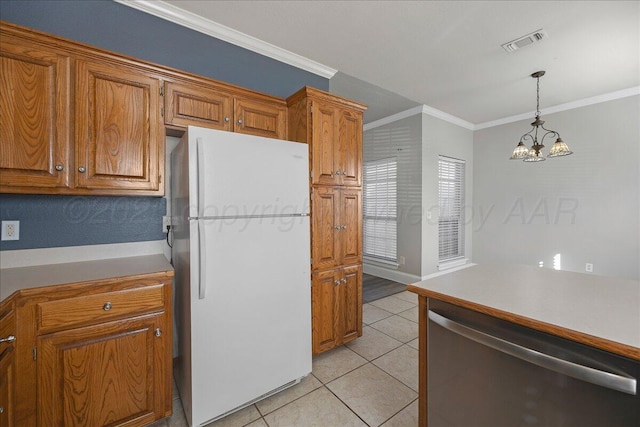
[{"x": 332, "y": 126}]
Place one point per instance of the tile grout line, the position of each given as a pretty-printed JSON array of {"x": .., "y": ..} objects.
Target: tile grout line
[{"x": 370, "y": 362}]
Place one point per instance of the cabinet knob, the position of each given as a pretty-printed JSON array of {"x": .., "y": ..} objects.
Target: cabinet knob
[
  {"x": 226, "y": 119},
  {"x": 239, "y": 121},
  {"x": 337, "y": 282},
  {"x": 157, "y": 332},
  {"x": 343, "y": 281},
  {"x": 337, "y": 227},
  {"x": 1, "y": 409},
  {"x": 343, "y": 227},
  {"x": 337, "y": 172},
  {"x": 106, "y": 306},
  {"x": 10, "y": 338},
  {"x": 82, "y": 169},
  {"x": 59, "y": 168}
]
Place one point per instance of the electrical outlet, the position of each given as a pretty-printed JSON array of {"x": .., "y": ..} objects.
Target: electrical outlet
[
  {"x": 588, "y": 267},
  {"x": 10, "y": 230},
  {"x": 166, "y": 221},
  {"x": 401, "y": 260}
]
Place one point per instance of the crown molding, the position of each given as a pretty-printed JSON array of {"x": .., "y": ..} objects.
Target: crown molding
[
  {"x": 420, "y": 109},
  {"x": 425, "y": 109},
  {"x": 564, "y": 107},
  {"x": 447, "y": 117},
  {"x": 206, "y": 26}
]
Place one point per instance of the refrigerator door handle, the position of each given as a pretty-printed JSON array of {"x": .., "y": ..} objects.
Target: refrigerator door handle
[
  {"x": 614, "y": 381},
  {"x": 202, "y": 264},
  {"x": 200, "y": 174}
]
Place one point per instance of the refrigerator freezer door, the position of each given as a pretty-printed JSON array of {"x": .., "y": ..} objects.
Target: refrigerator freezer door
[
  {"x": 242, "y": 175},
  {"x": 252, "y": 332}
]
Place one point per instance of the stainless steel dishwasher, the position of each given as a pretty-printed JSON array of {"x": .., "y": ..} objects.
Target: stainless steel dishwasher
[{"x": 484, "y": 371}]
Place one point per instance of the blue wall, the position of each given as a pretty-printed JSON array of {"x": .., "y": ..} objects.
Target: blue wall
[
  {"x": 119, "y": 28},
  {"x": 52, "y": 221}
]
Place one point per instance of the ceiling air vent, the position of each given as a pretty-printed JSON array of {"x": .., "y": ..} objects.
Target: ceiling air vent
[{"x": 523, "y": 41}]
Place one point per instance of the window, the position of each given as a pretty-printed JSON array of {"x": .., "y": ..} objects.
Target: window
[
  {"x": 451, "y": 204},
  {"x": 380, "y": 209}
]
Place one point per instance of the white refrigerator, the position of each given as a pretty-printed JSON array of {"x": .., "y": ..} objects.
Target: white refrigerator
[{"x": 241, "y": 252}]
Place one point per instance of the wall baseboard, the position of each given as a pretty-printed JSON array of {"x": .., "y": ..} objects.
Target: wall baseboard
[
  {"x": 405, "y": 278},
  {"x": 385, "y": 273}
]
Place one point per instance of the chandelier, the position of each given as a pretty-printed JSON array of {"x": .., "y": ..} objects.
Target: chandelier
[{"x": 534, "y": 153}]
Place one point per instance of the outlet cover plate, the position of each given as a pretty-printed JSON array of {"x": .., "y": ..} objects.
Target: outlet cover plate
[{"x": 10, "y": 230}]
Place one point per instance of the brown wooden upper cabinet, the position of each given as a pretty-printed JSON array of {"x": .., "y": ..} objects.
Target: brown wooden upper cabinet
[
  {"x": 215, "y": 106},
  {"x": 333, "y": 128},
  {"x": 119, "y": 132},
  {"x": 82, "y": 120},
  {"x": 108, "y": 139},
  {"x": 34, "y": 105}
]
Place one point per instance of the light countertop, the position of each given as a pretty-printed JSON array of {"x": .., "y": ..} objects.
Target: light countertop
[
  {"x": 15, "y": 279},
  {"x": 599, "y": 311}
]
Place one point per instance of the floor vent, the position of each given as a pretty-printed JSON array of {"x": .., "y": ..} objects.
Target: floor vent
[{"x": 523, "y": 41}]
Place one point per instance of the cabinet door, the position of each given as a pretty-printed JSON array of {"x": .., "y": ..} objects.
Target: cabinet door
[
  {"x": 6, "y": 388},
  {"x": 7, "y": 370},
  {"x": 120, "y": 136},
  {"x": 260, "y": 118},
  {"x": 108, "y": 374},
  {"x": 325, "y": 246},
  {"x": 189, "y": 104},
  {"x": 34, "y": 106},
  {"x": 324, "y": 140},
  {"x": 324, "y": 310},
  {"x": 349, "y": 300},
  {"x": 350, "y": 149},
  {"x": 350, "y": 222}
]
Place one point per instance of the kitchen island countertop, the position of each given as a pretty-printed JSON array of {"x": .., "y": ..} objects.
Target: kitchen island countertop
[{"x": 602, "y": 312}]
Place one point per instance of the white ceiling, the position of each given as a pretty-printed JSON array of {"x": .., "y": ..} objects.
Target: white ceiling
[{"x": 448, "y": 54}]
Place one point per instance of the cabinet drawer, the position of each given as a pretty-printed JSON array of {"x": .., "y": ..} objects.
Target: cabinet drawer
[{"x": 99, "y": 307}]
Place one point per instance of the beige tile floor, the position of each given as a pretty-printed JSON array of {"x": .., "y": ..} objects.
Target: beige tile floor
[{"x": 372, "y": 381}]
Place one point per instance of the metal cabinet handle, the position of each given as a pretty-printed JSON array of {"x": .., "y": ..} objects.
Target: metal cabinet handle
[
  {"x": 157, "y": 332},
  {"x": 337, "y": 282},
  {"x": 82, "y": 169},
  {"x": 343, "y": 281},
  {"x": 615, "y": 381},
  {"x": 10, "y": 338},
  {"x": 1, "y": 409},
  {"x": 337, "y": 227},
  {"x": 226, "y": 119},
  {"x": 106, "y": 306},
  {"x": 239, "y": 121},
  {"x": 59, "y": 168},
  {"x": 343, "y": 227}
]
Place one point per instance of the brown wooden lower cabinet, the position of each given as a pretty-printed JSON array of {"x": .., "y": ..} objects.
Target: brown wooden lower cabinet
[
  {"x": 107, "y": 374},
  {"x": 7, "y": 366},
  {"x": 88, "y": 353},
  {"x": 336, "y": 307}
]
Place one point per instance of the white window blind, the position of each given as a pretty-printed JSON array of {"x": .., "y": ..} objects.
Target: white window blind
[
  {"x": 451, "y": 204},
  {"x": 380, "y": 202}
]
